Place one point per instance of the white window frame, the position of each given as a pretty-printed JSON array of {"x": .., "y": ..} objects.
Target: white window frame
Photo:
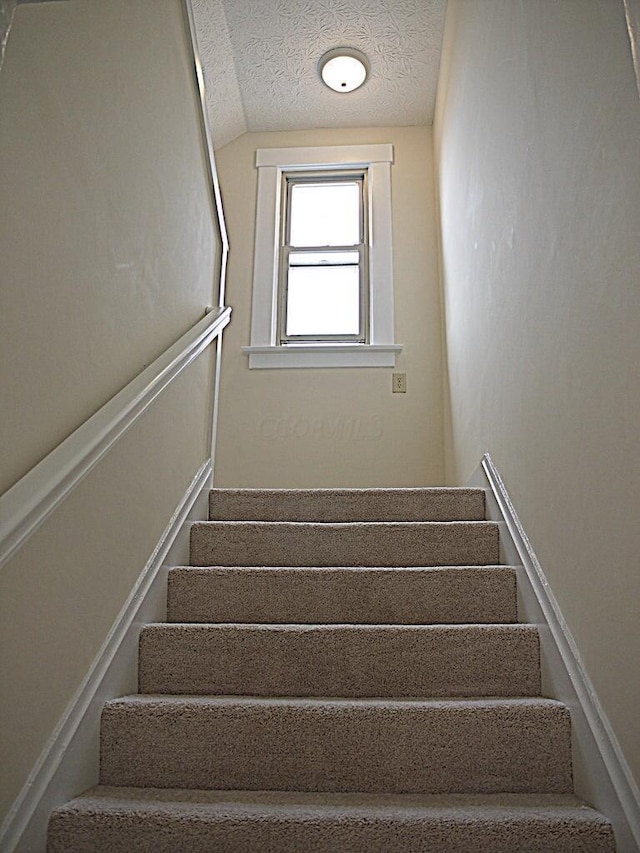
[
  {"x": 264, "y": 350},
  {"x": 359, "y": 249}
]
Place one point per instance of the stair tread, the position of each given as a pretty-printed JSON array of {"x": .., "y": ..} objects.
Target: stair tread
[
  {"x": 347, "y": 525},
  {"x": 439, "y": 503},
  {"x": 337, "y": 744},
  {"x": 354, "y": 570},
  {"x": 485, "y": 567},
  {"x": 276, "y": 543},
  {"x": 142, "y": 700},
  {"x": 131, "y": 820},
  {"x": 363, "y": 491},
  {"x": 323, "y": 627},
  {"x": 114, "y": 798},
  {"x": 336, "y": 594},
  {"x": 354, "y": 490},
  {"x": 343, "y": 659}
]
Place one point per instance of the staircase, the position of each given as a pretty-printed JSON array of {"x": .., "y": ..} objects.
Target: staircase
[{"x": 341, "y": 670}]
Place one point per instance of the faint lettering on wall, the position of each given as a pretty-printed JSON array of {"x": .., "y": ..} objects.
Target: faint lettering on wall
[{"x": 286, "y": 428}]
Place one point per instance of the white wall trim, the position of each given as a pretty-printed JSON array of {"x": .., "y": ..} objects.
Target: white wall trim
[
  {"x": 601, "y": 774},
  {"x": 68, "y": 763},
  {"x": 32, "y": 499},
  {"x": 335, "y": 155},
  {"x": 271, "y": 164},
  {"x": 345, "y": 355}
]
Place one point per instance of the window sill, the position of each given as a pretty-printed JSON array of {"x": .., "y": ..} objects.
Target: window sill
[{"x": 323, "y": 355}]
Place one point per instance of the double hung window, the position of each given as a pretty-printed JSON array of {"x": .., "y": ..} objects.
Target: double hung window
[
  {"x": 323, "y": 275},
  {"x": 323, "y": 266}
]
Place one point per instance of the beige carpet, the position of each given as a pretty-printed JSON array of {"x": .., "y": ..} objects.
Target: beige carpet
[
  {"x": 359, "y": 543},
  {"x": 329, "y": 595},
  {"x": 126, "y": 820},
  {"x": 340, "y": 660},
  {"x": 346, "y": 505},
  {"x": 341, "y": 671}
]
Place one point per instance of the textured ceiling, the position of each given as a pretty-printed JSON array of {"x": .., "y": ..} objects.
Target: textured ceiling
[{"x": 260, "y": 62}]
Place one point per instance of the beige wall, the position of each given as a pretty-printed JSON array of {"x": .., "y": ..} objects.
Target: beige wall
[
  {"x": 61, "y": 593},
  {"x": 107, "y": 258},
  {"x": 538, "y": 146},
  {"x": 338, "y": 427},
  {"x": 7, "y": 8},
  {"x": 105, "y": 224}
]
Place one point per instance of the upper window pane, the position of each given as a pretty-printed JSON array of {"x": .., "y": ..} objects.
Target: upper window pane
[{"x": 325, "y": 214}]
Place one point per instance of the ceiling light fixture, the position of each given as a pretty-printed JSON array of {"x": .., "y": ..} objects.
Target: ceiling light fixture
[{"x": 343, "y": 69}]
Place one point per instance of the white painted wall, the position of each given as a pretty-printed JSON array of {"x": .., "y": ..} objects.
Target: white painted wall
[
  {"x": 107, "y": 254},
  {"x": 336, "y": 427},
  {"x": 105, "y": 226},
  {"x": 538, "y": 153}
]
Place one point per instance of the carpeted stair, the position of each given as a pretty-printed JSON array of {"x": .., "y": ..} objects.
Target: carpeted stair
[{"x": 341, "y": 671}]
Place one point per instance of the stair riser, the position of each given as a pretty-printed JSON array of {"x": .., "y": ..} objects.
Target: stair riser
[
  {"x": 347, "y": 505},
  {"x": 124, "y": 833},
  {"x": 314, "y": 746},
  {"x": 340, "y": 661},
  {"x": 316, "y": 596},
  {"x": 291, "y": 544}
]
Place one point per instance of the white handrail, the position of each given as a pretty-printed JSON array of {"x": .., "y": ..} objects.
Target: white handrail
[
  {"x": 33, "y": 498},
  {"x": 221, "y": 271}
]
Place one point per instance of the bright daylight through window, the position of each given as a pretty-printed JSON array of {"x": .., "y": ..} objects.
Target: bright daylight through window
[
  {"x": 323, "y": 259},
  {"x": 323, "y": 263}
]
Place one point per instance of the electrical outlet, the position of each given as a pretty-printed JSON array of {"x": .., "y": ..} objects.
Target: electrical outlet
[{"x": 399, "y": 383}]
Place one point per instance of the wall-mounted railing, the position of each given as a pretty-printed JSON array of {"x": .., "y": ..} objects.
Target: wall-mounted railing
[
  {"x": 32, "y": 499},
  {"x": 67, "y": 760},
  {"x": 221, "y": 261}
]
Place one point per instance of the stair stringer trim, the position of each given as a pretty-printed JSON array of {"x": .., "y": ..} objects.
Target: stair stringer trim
[
  {"x": 602, "y": 776},
  {"x": 69, "y": 763}
]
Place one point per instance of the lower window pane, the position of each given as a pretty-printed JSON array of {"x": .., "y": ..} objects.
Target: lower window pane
[{"x": 323, "y": 301}]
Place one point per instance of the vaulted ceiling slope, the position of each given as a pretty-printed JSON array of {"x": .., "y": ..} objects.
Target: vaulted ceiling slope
[{"x": 260, "y": 62}]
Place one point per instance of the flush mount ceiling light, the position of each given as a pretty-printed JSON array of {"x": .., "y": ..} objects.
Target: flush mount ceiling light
[{"x": 343, "y": 69}]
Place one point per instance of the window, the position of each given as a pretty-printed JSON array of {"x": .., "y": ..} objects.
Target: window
[{"x": 323, "y": 275}]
